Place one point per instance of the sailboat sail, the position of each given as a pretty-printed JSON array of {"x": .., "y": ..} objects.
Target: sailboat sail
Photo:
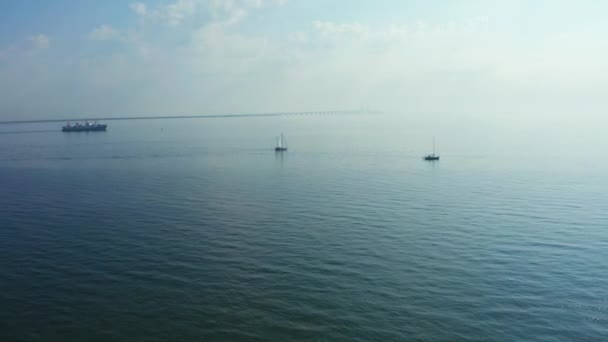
[{"x": 281, "y": 143}]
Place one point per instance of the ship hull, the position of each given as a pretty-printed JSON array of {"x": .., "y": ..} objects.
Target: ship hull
[{"x": 97, "y": 128}]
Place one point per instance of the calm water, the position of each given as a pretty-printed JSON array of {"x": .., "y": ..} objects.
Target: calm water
[{"x": 196, "y": 230}]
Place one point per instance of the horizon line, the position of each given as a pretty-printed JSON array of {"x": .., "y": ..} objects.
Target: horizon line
[{"x": 321, "y": 112}]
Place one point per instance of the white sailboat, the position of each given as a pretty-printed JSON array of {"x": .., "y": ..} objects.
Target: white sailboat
[
  {"x": 281, "y": 144},
  {"x": 432, "y": 156}
]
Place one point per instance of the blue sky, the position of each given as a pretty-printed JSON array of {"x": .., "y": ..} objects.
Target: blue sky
[{"x": 481, "y": 59}]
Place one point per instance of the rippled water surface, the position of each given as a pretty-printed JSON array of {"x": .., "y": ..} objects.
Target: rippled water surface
[{"x": 196, "y": 230}]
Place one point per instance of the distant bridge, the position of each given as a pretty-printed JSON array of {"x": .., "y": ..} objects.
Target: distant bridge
[{"x": 322, "y": 112}]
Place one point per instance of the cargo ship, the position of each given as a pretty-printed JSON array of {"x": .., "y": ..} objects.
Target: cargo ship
[{"x": 87, "y": 127}]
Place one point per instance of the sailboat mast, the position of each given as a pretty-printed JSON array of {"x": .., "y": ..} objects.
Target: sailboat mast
[{"x": 433, "y": 145}]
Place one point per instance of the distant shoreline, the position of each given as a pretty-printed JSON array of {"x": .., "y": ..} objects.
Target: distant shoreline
[{"x": 329, "y": 112}]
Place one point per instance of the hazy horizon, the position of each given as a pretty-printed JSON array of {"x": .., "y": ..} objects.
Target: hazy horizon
[{"x": 512, "y": 61}]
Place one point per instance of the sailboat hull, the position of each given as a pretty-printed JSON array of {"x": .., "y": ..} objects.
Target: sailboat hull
[
  {"x": 432, "y": 156},
  {"x": 280, "y": 149}
]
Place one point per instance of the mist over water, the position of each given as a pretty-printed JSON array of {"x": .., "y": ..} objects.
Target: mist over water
[{"x": 197, "y": 229}]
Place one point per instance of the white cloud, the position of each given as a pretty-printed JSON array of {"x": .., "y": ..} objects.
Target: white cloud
[
  {"x": 401, "y": 33},
  {"x": 299, "y": 37},
  {"x": 173, "y": 13},
  {"x": 139, "y": 8},
  {"x": 213, "y": 49},
  {"x": 233, "y": 11},
  {"x": 229, "y": 11},
  {"x": 328, "y": 28},
  {"x": 40, "y": 41},
  {"x": 178, "y": 11},
  {"x": 104, "y": 32}
]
